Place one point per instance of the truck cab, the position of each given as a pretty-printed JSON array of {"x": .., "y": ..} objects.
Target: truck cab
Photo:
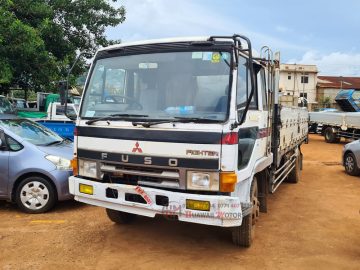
[{"x": 184, "y": 128}]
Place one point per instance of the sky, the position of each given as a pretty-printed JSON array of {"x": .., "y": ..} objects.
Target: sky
[{"x": 320, "y": 32}]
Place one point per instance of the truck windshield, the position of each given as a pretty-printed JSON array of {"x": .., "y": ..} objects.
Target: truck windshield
[{"x": 160, "y": 86}]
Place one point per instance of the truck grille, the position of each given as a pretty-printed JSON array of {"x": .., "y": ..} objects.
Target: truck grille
[{"x": 142, "y": 175}]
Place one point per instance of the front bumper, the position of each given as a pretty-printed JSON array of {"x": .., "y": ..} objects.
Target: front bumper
[
  {"x": 61, "y": 181},
  {"x": 225, "y": 211}
]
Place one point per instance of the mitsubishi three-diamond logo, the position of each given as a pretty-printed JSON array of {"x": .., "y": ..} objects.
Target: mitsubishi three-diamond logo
[{"x": 137, "y": 148}]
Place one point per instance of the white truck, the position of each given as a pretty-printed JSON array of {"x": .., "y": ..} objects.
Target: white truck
[
  {"x": 336, "y": 125},
  {"x": 54, "y": 118},
  {"x": 188, "y": 127}
]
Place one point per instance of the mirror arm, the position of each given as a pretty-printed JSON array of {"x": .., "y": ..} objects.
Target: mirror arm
[{"x": 67, "y": 82}]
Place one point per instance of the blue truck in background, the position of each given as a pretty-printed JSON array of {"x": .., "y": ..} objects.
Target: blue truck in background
[{"x": 348, "y": 100}]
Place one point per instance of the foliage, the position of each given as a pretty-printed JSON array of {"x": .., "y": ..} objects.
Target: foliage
[
  {"x": 31, "y": 95},
  {"x": 325, "y": 102},
  {"x": 39, "y": 39}
]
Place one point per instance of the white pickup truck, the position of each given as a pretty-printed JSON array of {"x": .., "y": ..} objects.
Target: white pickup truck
[{"x": 55, "y": 118}]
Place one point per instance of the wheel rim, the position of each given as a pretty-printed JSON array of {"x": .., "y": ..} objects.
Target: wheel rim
[
  {"x": 349, "y": 163},
  {"x": 34, "y": 195},
  {"x": 327, "y": 135},
  {"x": 256, "y": 205}
]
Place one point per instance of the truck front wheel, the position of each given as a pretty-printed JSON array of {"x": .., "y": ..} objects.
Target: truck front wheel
[
  {"x": 243, "y": 235},
  {"x": 330, "y": 136},
  {"x": 120, "y": 217}
]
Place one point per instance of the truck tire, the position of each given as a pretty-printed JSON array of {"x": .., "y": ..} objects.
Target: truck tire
[
  {"x": 350, "y": 164},
  {"x": 120, "y": 217},
  {"x": 263, "y": 190},
  {"x": 330, "y": 136},
  {"x": 295, "y": 174},
  {"x": 242, "y": 236}
]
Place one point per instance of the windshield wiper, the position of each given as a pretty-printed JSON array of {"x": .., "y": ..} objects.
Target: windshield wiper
[
  {"x": 149, "y": 124},
  {"x": 118, "y": 116},
  {"x": 53, "y": 142},
  {"x": 196, "y": 120},
  {"x": 177, "y": 120}
]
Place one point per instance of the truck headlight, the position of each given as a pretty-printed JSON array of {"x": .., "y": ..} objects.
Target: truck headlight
[
  {"x": 59, "y": 162},
  {"x": 87, "y": 168},
  {"x": 203, "y": 180}
]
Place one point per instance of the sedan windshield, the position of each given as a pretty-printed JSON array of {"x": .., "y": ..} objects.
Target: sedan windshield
[
  {"x": 31, "y": 131},
  {"x": 160, "y": 86}
]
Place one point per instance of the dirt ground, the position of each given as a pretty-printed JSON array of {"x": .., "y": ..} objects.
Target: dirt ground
[{"x": 314, "y": 224}]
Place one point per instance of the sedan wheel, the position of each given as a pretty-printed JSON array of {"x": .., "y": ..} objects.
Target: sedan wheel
[
  {"x": 351, "y": 165},
  {"x": 35, "y": 195}
]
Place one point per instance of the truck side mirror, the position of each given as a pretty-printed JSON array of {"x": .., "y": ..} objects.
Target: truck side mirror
[{"x": 72, "y": 117}]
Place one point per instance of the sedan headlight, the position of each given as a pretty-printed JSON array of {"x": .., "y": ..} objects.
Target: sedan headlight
[
  {"x": 59, "y": 162},
  {"x": 203, "y": 180},
  {"x": 87, "y": 168}
]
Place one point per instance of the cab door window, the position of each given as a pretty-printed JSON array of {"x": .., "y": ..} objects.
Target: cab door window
[
  {"x": 244, "y": 87},
  {"x": 261, "y": 82}
]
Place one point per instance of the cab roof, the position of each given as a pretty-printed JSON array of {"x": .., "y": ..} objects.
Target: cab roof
[{"x": 159, "y": 41}]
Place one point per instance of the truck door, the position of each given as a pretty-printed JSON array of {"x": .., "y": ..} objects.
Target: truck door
[
  {"x": 247, "y": 136},
  {"x": 265, "y": 122}
]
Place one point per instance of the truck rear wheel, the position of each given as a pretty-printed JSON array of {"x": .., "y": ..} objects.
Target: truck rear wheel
[
  {"x": 120, "y": 217},
  {"x": 243, "y": 235},
  {"x": 295, "y": 174},
  {"x": 330, "y": 135}
]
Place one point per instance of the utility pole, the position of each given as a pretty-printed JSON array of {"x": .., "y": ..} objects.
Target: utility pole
[
  {"x": 303, "y": 83},
  {"x": 295, "y": 78},
  {"x": 341, "y": 82}
]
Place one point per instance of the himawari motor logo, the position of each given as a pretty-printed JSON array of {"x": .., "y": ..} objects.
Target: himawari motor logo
[{"x": 175, "y": 209}]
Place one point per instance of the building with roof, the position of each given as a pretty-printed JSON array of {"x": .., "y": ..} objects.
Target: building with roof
[
  {"x": 329, "y": 86},
  {"x": 297, "y": 85}
]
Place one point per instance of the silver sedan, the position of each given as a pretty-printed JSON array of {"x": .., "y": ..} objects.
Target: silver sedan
[
  {"x": 34, "y": 165},
  {"x": 351, "y": 157}
]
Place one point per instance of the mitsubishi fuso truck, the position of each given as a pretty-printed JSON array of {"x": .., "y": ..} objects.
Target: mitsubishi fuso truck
[{"x": 187, "y": 128}]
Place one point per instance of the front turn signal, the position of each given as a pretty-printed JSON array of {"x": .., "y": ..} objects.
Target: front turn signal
[
  {"x": 74, "y": 165},
  {"x": 228, "y": 181}
]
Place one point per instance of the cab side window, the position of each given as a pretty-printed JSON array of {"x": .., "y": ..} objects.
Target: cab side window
[
  {"x": 244, "y": 87},
  {"x": 261, "y": 82}
]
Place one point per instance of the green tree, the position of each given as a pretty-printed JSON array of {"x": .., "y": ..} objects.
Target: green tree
[
  {"x": 325, "y": 102},
  {"x": 39, "y": 39}
]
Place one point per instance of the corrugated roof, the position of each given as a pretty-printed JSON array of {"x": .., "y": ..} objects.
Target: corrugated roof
[{"x": 338, "y": 82}]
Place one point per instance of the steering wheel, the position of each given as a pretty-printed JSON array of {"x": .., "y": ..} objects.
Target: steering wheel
[{"x": 131, "y": 103}]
